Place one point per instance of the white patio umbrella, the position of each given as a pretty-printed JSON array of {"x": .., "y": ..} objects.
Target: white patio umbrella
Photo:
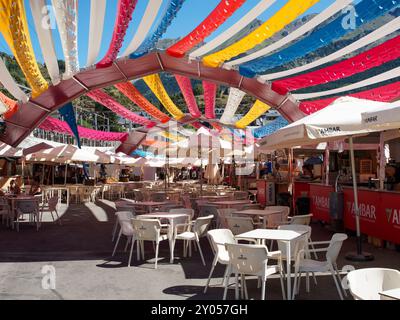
[
  {"x": 384, "y": 117},
  {"x": 340, "y": 119},
  {"x": 63, "y": 154}
]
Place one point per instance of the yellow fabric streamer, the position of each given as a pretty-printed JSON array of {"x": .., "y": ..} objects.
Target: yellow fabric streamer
[
  {"x": 14, "y": 27},
  {"x": 288, "y": 13},
  {"x": 154, "y": 83},
  {"x": 171, "y": 136},
  {"x": 258, "y": 109}
]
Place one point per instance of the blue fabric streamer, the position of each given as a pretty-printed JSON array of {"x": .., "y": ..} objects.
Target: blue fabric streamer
[
  {"x": 366, "y": 11},
  {"x": 270, "y": 128},
  {"x": 161, "y": 27},
  {"x": 68, "y": 113}
]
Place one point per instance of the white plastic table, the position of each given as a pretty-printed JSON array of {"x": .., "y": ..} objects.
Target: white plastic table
[
  {"x": 286, "y": 236},
  {"x": 171, "y": 217},
  {"x": 392, "y": 294}
]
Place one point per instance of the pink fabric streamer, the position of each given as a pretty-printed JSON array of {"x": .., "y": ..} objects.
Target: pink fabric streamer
[
  {"x": 124, "y": 16},
  {"x": 210, "y": 90},
  {"x": 104, "y": 99},
  {"x": 186, "y": 88},
  {"x": 386, "y": 93},
  {"x": 56, "y": 125},
  {"x": 383, "y": 53}
]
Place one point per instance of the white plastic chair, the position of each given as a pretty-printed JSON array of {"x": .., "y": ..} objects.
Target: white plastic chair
[
  {"x": 305, "y": 220},
  {"x": 148, "y": 230},
  {"x": 218, "y": 238},
  {"x": 51, "y": 207},
  {"x": 195, "y": 231},
  {"x": 240, "y": 225},
  {"x": 305, "y": 265},
  {"x": 223, "y": 213},
  {"x": 30, "y": 207},
  {"x": 124, "y": 221},
  {"x": 365, "y": 284},
  {"x": 5, "y": 211},
  {"x": 247, "y": 259},
  {"x": 120, "y": 206}
]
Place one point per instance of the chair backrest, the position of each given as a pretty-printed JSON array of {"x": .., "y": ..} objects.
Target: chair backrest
[
  {"x": 187, "y": 211},
  {"x": 301, "y": 243},
  {"x": 218, "y": 238},
  {"x": 335, "y": 246},
  {"x": 146, "y": 229},
  {"x": 124, "y": 220},
  {"x": 52, "y": 202},
  {"x": 241, "y": 195},
  {"x": 158, "y": 197},
  {"x": 201, "y": 225},
  {"x": 247, "y": 259},
  {"x": 239, "y": 225},
  {"x": 138, "y": 195},
  {"x": 303, "y": 219},
  {"x": 27, "y": 206},
  {"x": 222, "y": 214},
  {"x": 365, "y": 284},
  {"x": 208, "y": 209}
]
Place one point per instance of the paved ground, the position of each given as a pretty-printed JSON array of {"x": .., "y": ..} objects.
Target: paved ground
[{"x": 80, "y": 251}]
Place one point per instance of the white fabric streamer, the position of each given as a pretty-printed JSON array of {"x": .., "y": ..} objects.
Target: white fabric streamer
[
  {"x": 242, "y": 23},
  {"x": 314, "y": 22},
  {"x": 43, "y": 30},
  {"x": 9, "y": 83},
  {"x": 145, "y": 24},
  {"x": 393, "y": 73},
  {"x": 234, "y": 99},
  {"x": 380, "y": 33},
  {"x": 97, "y": 13},
  {"x": 66, "y": 12}
]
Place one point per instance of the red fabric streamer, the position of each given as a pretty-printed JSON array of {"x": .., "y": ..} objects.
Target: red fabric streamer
[
  {"x": 129, "y": 90},
  {"x": 124, "y": 16},
  {"x": 104, "y": 99},
  {"x": 186, "y": 88},
  {"x": 11, "y": 104},
  {"x": 217, "y": 17},
  {"x": 385, "y": 52},
  {"x": 56, "y": 125},
  {"x": 386, "y": 93},
  {"x": 210, "y": 90}
]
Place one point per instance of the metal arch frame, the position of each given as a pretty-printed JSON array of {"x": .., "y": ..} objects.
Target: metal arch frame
[{"x": 32, "y": 113}]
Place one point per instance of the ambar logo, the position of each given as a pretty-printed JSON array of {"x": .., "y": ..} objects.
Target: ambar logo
[
  {"x": 365, "y": 210},
  {"x": 371, "y": 119},
  {"x": 321, "y": 202},
  {"x": 393, "y": 216},
  {"x": 329, "y": 130}
]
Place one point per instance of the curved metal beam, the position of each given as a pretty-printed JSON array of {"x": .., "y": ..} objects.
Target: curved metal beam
[{"x": 33, "y": 112}]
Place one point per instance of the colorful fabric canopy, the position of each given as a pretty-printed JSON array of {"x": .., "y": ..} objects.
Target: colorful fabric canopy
[
  {"x": 366, "y": 11},
  {"x": 210, "y": 90},
  {"x": 56, "y": 125},
  {"x": 170, "y": 12},
  {"x": 227, "y": 34},
  {"x": 257, "y": 110},
  {"x": 11, "y": 105},
  {"x": 369, "y": 39},
  {"x": 154, "y": 83},
  {"x": 130, "y": 91},
  {"x": 294, "y": 35},
  {"x": 9, "y": 83},
  {"x": 14, "y": 27},
  {"x": 45, "y": 39},
  {"x": 271, "y": 127},
  {"x": 385, "y": 93},
  {"x": 187, "y": 92},
  {"x": 104, "y": 99},
  {"x": 385, "y": 52},
  {"x": 97, "y": 13},
  {"x": 124, "y": 16},
  {"x": 217, "y": 17},
  {"x": 67, "y": 22},
  {"x": 288, "y": 13},
  {"x": 234, "y": 99}
]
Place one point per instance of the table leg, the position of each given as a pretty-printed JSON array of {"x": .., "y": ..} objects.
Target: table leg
[
  {"x": 171, "y": 241},
  {"x": 288, "y": 271}
]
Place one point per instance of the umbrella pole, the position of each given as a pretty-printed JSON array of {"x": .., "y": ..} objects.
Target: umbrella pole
[
  {"x": 359, "y": 255},
  {"x": 65, "y": 178}
]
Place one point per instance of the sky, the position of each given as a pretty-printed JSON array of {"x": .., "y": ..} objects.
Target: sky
[{"x": 191, "y": 14}]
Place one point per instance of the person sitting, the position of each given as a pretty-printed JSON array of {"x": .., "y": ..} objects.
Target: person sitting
[
  {"x": 14, "y": 187},
  {"x": 35, "y": 188}
]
